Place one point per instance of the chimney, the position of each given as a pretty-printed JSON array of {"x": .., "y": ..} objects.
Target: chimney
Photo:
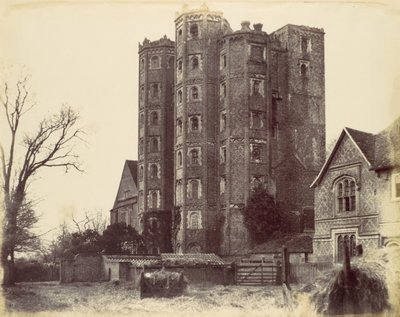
[
  {"x": 258, "y": 27},
  {"x": 245, "y": 26}
]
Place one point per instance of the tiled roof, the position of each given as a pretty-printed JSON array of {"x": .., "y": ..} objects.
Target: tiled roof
[
  {"x": 133, "y": 169},
  {"x": 295, "y": 243},
  {"x": 136, "y": 260},
  {"x": 387, "y": 147},
  {"x": 366, "y": 143},
  {"x": 381, "y": 150},
  {"x": 168, "y": 259}
]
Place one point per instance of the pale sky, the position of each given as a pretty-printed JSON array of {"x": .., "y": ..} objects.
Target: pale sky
[{"x": 84, "y": 53}]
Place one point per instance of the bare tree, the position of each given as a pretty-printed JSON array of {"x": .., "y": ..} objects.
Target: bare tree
[{"x": 52, "y": 145}]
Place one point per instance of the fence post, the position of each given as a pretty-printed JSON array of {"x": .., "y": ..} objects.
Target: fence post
[{"x": 285, "y": 266}]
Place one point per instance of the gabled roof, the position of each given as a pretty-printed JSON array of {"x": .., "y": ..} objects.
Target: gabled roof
[
  {"x": 132, "y": 165},
  {"x": 130, "y": 169},
  {"x": 387, "y": 147},
  {"x": 379, "y": 151},
  {"x": 361, "y": 143}
]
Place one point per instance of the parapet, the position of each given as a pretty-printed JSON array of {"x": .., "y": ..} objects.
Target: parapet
[{"x": 164, "y": 41}]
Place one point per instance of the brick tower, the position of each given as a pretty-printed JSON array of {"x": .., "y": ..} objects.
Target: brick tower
[
  {"x": 196, "y": 126},
  {"x": 155, "y": 167}
]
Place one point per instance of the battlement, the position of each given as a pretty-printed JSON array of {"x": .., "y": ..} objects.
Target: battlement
[
  {"x": 164, "y": 41},
  {"x": 202, "y": 10}
]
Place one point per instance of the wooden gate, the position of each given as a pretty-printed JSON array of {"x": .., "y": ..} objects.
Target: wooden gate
[{"x": 258, "y": 272}]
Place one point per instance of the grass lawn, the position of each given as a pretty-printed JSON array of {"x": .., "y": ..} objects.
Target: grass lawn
[{"x": 108, "y": 299}]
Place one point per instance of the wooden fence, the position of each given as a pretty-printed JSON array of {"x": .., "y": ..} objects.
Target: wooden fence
[
  {"x": 306, "y": 272},
  {"x": 258, "y": 273}
]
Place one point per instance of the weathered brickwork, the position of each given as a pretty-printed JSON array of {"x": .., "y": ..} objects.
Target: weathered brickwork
[
  {"x": 355, "y": 197},
  {"x": 156, "y": 104},
  {"x": 246, "y": 113}
]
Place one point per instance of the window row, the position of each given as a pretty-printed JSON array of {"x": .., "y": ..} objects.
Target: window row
[
  {"x": 194, "y": 125},
  {"x": 193, "y": 190},
  {"x": 194, "y": 64},
  {"x": 256, "y": 153},
  {"x": 194, "y": 94},
  {"x": 153, "y": 118},
  {"x": 153, "y": 145},
  {"x": 154, "y": 91},
  {"x": 194, "y": 157},
  {"x": 154, "y": 171},
  {"x": 155, "y": 62},
  {"x": 193, "y": 34}
]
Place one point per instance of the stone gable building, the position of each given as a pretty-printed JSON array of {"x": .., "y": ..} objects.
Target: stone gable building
[
  {"x": 357, "y": 194},
  {"x": 221, "y": 111}
]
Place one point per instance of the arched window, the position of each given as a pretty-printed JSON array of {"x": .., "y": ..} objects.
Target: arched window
[
  {"x": 222, "y": 185},
  {"x": 194, "y": 123},
  {"x": 346, "y": 241},
  {"x": 179, "y": 66},
  {"x": 154, "y": 118},
  {"x": 195, "y": 63},
  {"x": 340, "y": 248},
  {"x": 222, "y": 121},
  {"x": 141, "y": 173},
  {"x": 346, "y": 195},
  {"x": 142, "y": 64},
  {"x": 194, "y": 189},
  {"x": 141, "y": 94},
  {"x": 141, "y": 147},
  {"x": 195, "y": 93},
  {"x": 153, "y": 171},
  {"x": 194, "y": 221},
  {"x": 154, "y": 200},
  {"x": 256, "y": 153},
  {"x": 141, "y": 121},
  {"x": 256, "y": 87},
  {"x": 194, "y": 156},
  {"x": 180, "y": 35},
  {"x": 194, "y": 30},
  {"x": 155, "y": 62},
  {"x": 179, "y": 96},
  {"x": 303, "y": 70},
  {"x": 154, "y": 145},
  {"x": 179, "y": 127},
  {"x": 155, "y": 90},
  {"x": 179, "y": 192},
  {"x": 179, "y": 158}
]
